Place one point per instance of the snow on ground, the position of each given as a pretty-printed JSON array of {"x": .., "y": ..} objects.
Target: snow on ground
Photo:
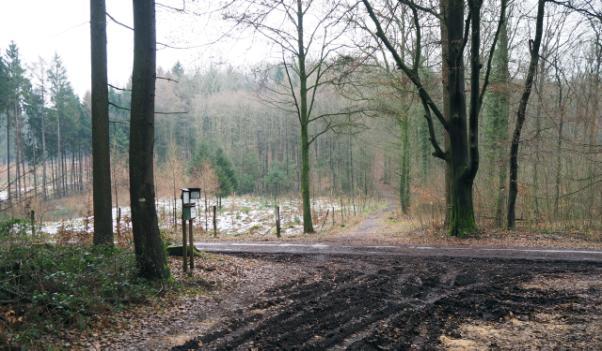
[{"x": 238, "y": 215}]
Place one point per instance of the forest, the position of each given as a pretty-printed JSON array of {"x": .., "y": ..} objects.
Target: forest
[{"x": 407, "y": 123}]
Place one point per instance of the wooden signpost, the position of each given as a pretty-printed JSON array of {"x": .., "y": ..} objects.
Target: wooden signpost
[{"x": 189, "y": 198}]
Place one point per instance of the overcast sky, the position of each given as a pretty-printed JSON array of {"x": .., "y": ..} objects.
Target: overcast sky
[{"x": 44, "y": 27}]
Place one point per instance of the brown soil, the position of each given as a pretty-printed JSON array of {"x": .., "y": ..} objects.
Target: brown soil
[{"x": 398, "y": 303}]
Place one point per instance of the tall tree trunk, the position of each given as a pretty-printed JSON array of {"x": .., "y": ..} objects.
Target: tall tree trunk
[
  {"x": 520, "y": 116},
  {"x": 443, "y": 8},
  {"x": 500, "y": 110},
  {"x": 59, "y": 155},
  {"x": 537, "y": 141},
  {"x": 101, "y": 159},
  {"x": 461, "y": 216},
  {"x": 35, "y": 178},
  {"x": 593, "y": 130},
  {"x": 561, "y": 111},
  {"x": 404, "y": 174},
  {"x": 81, "y": 169},
  {"x": 18, "y": 174},
  {"x": 44, "y": 152},
  {"x": 308, "y": 226},
  {"x": 148, "y": 245},
  {"x": 53, "y": 176},
  {"x": 8, "y": 180},
  {"x": 305, "y": 181}
]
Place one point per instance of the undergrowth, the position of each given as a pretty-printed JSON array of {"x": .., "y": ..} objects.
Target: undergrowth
[{"x": 45, "y": 288}]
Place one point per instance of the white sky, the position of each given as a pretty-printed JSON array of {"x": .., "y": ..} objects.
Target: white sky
[{"x": 44, "y": 27}]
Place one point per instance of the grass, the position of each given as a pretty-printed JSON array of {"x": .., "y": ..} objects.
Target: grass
[{"x": 45, "y": 288}]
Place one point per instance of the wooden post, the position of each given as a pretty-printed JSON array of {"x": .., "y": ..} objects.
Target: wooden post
[
  {"x": 32, "y": 214},
  {"x": 119, "y": 223},
  {"x": 277, "y": 212},
  {"x": 214, "y": 220},
  {"x": 191, "y": 242},
  {"x": 333, "y": 215},
  {"x": 206, "y": 215},
  {"x": 184, "y": 247}
]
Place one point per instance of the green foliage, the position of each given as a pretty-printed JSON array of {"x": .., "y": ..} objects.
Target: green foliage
[
  {"x": 3, "y": 84},
  {"x": 51, "y": 287},
  {"x": 12, "y": 227},
  {"x": 276, "y": 180},
  {"x": 249, "y": 173},
  {"x": 222, "y": 166},
  {"x": 120, "y": 132},
  {"x": 225, "y": 173}
]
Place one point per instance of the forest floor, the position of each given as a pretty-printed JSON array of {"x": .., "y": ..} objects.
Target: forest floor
[
  {"x": 336, "y": 302},
  {"x": 376, "y": 284}
]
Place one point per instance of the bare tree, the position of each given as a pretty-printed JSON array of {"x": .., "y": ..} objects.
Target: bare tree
[
  {"x": 307, "y": 35},
  {"x": 462, "y": 156},
  {"x": 534, "y": 46}
]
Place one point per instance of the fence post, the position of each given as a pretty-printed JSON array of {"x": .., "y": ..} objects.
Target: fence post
[
  {"x": 215, "y": 221},
  {"x": 191, "y": 243},
  {"x": 277, "y": 212},
  {"x": 32, "y": 214},
  {"x": 333, "y": 215},
  {"x": 184, "y": 246},
  {"x": 119, "y": 223}
]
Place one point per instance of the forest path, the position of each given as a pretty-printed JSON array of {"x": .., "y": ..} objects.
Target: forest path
[{"x": 373, "y": 225}]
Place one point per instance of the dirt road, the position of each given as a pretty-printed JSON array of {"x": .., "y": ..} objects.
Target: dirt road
[
  {"x": 348, "y": 294},
  {"x": 330, "y": 248},
  {"x": 393, "y": 302}
]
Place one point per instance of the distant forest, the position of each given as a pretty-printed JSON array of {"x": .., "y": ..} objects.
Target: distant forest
[{"x": 234, "y": 130}]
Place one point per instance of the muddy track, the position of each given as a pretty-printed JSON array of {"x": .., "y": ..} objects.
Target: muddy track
[{"x": 368, "y": 303}]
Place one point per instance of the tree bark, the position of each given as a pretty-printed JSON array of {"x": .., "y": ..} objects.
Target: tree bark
[
  {"x": 443, "y": 8},
  {"x": 404, "y": 173},
  {"x": 148, "y": 245},
  {"x": 18, "y": 186},
  {"x": 44, "y": 152},
  {"x": 304, "y": 118},
  {"x": 537, "y": 139},
  {"x": 59, "y": 154},
  {"x": 8, "y": 185},
  {"x": 461, "y": 216},
  {"x": 561, "y": 111},
  {"x": 101, "y": 159},
  {"x": 521, "y": 114},
  {"x": 501, "y": 110}
]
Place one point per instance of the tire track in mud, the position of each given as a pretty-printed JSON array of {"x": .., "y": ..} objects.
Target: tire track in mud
[{"x": 378, "y": 304}]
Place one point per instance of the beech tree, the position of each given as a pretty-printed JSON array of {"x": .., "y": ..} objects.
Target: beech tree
[
  {"x": 307, "y": 50},
  {"x": 497, "y": 109},
  {"x": 534, "y": 46},
  {"x": 148, "y": 244},
  {"x": 462, "y": 130},
  {"x": 101, "y": 159}
]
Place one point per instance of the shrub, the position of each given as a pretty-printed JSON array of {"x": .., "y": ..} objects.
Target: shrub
[{"x": 46, "y": 287}]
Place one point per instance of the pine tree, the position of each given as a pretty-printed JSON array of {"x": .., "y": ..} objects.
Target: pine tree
[{"x": 17, "y": 84}]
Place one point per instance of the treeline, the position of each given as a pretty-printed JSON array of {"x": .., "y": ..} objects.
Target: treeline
[
  {"x": 46, "y": 130},
  {"x": 223, "y": 111},
  {"x": 369, "y": 128}
]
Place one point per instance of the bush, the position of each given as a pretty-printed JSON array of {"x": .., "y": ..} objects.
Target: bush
[
  {"x": 12, "y": 227},
  {"x": 45, "y": 287}
]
